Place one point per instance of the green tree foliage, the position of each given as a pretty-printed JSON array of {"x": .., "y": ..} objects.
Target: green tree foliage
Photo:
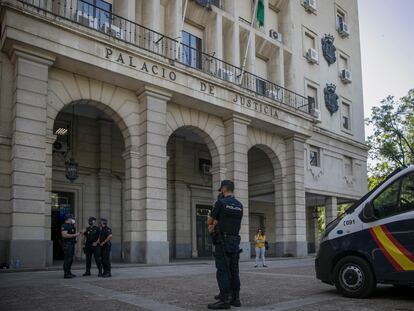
[{"x": 392, "y": 142}]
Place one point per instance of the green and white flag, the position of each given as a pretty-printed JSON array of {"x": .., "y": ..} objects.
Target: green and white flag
[{"x": 260, "y": 13}]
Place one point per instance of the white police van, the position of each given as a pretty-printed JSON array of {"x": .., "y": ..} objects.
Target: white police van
[{"x": 373, "y": 241}]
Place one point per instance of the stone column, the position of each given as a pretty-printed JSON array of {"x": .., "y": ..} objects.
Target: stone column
[
  {"x": 29, "y": 241},
  {"x": 50, "y": 139},
  {"x": 218, "y": 174},
  {"x": 151, "y": 14},
  {"x": 236, "y": 160},
  {"x": 279, "y": 183},
  {"x": 294, "y": 198},
  {"x": 104, "y": 175},
  {"x": 216, "y": 37},
  {"x": 5, "y": 168},
  {"x": 151, "y": 206},
  {"x": 173, "y": 17},
  {"x": 126, "y": 9},
  {"x": 133, "y": 229},
  {"x": 182, "y": 207},
  {"x": 331, "y": 209},
  {"x": 235, "y": 44}
]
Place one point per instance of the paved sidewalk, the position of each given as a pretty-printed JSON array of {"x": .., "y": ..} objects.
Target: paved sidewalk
[{"x": 287, "y": 284}]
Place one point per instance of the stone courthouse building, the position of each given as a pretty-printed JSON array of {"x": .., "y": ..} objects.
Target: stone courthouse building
[{"x": 134, "y": 110}]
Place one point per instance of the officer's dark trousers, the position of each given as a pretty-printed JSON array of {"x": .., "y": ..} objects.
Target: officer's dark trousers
[
  {"x": 106, "y": 262},
  {"x": 96, "y": 251},
  {"x": 68, "y": 253},
  {"x": 227, "y": 263}
]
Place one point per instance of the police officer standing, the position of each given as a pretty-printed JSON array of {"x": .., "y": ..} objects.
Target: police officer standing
[
  {"x": 92, "y": 246},
  {"x": 224, "y": 226},
  {"x": 69, "y": 236},
  {"x": 105, "y": 242}
]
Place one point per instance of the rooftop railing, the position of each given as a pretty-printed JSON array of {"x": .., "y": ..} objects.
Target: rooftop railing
[{"x": 101, "y": 19}]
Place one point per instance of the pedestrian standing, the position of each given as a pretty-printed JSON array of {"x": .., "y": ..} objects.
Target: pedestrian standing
[
  {"x": 260, "y": 247},
  {"x": 92, "y": 246},
  {"x": 69, "y": 236},
  {"x": 224, "y": 225},
  {"x": 105, "y": 242}
]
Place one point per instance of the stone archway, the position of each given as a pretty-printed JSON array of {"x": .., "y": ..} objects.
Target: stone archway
[
  {"x": 195, "y": 166},
  {"x": 268, "y": 189},
  {"x": 209, "y": 127},
  {"x": 117, "y": 104}
]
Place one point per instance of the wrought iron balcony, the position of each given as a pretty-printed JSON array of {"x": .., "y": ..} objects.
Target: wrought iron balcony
[{"x": 104, "y": 21}]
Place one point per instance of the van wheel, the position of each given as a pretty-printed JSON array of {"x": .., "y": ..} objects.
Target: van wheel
[{"x": 353, "y": 277}]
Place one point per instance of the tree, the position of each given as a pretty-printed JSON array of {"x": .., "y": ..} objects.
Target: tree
[{"x": 392, "y": 142}]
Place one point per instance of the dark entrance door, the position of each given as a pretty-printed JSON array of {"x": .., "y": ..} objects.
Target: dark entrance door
[
  {"x": 62, "y": 204},
  {"x": 204, "y": 246}
]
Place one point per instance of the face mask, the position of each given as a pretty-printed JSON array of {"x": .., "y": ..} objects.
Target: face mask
[{"x": 220, "y": 196}]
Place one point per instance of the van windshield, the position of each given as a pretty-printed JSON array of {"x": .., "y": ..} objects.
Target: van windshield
[{"x": 352, "y": 208}]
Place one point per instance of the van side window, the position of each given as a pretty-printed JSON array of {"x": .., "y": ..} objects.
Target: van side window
[
  {"x": 386, "y": 203},
  {"x": 397, "y": 198},
  {"x": 407, "y": 194}
]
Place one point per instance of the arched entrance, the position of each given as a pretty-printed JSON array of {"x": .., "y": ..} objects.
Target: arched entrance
[
  {"x": 263, "y": 199},
  {"x": 191, "y": 157},
  {"x": 87, "y": 134}
]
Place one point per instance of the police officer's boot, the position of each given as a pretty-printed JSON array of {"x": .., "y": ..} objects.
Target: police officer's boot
[
  {"x": 218, "y": 296},
  {"x": 222, "y": 303},
  {"x": 235, "y": 299}
]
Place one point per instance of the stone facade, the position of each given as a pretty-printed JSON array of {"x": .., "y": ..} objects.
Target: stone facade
[{"x": 154, "y": 135}]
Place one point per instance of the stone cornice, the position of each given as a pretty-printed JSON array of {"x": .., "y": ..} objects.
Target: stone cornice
[
  {"x": 153, "y": 91},
  {"x": 33, "y": 54}
]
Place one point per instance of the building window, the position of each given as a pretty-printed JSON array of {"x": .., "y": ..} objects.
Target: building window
[
  {"x": 348, "y": 166},
  {"x": 341, "y": 22},
  {"x": 346, "y": 113},
  {"x": 216, "y": 3},
  {"x": 309, "y": 41},
  {"x": 261, "y": 71},
  {"x": 192, "y": 50},
  {"x": 314, "y": 157},
  {"x": 340, "y": 18},
  {"x": 312, "y": 94},
  {"x": 94, "y": 13},
  {"x": 343, "y": 62},
  {"x": 310, "y": 46}
]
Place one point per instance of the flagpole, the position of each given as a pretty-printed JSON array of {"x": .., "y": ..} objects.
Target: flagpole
[
  {"x": 180, "y": 34},
  {"x": 249, "y": 39}
]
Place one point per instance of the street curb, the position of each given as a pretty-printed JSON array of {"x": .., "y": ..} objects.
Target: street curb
[{"x": 77, "y": 267}]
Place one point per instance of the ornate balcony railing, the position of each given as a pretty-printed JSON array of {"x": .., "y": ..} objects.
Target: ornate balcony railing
[{"x": 104, "y": 21}]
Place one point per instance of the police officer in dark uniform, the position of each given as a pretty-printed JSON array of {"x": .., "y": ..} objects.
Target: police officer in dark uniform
[
  {"x": 69, "y": 236},
  {"x": 92, "y": 246},
  {"x": 105, "y": 242},
  {"x": 224, "y": 225}
]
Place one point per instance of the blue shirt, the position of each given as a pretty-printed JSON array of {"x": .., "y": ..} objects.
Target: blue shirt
[{"x": 228, "y": 212}]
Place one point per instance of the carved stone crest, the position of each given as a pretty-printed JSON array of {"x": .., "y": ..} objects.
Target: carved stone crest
[
  {"x": 329, "y": 49},
  {"x": 331, "y": 98}
]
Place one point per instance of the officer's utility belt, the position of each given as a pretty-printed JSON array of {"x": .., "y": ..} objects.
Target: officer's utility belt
[{"x": 230, "y": 236}]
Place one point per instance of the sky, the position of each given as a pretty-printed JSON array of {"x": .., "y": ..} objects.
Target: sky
[{"x": 387, "y": 49}]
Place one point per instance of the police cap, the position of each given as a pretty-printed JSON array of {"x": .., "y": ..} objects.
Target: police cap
[
  {"x": 92, "y": 218},
  {"x": 228, "y": 184},
  {"x": 104, "y": 221}
]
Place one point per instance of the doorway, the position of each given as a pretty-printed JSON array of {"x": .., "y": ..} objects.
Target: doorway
[
  {"x": 204, "y": 245},
  {"x": 62, "y": 204}
]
